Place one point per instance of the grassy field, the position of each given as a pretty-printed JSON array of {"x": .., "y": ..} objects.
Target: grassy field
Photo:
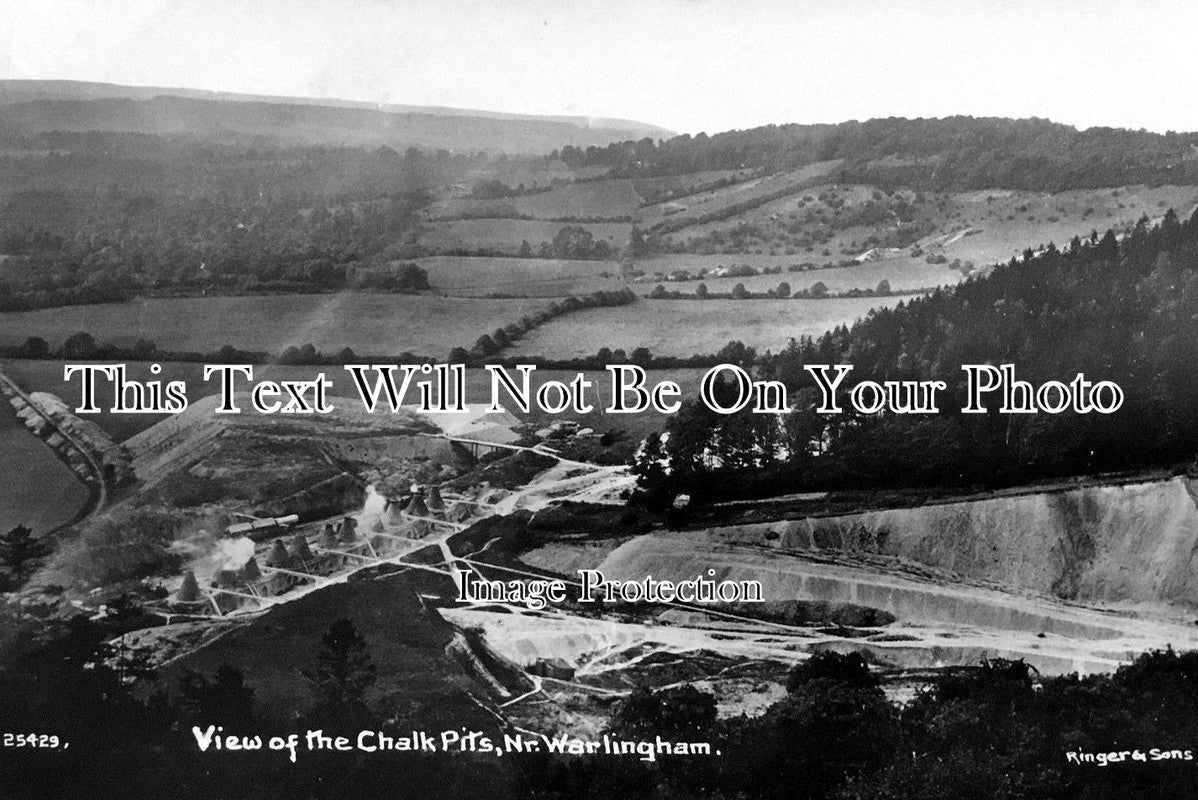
[
  {"x": 530, "y": 172},
  {"x": 706, "y": 202},
  {"x": 505, "y": 235},
  {"x": 371, "y": 324},
  {"x": 615, "y": 198},
  {"x": 677, "y": 186},
  {"x": 533, "y": 277},
  {"x": 46, "y": 376},
  {"x": 685, "y": 327},
  {"x": 791, "y": 210},
  {"x": 38, "y": 489}
]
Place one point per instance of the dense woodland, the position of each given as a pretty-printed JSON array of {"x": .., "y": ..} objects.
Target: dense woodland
[
  {"x": 941, "y": 154},
  {"x": 1118, "y": 310}
]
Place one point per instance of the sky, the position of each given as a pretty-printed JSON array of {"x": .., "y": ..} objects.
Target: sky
[{"x": 686, "y": 65}]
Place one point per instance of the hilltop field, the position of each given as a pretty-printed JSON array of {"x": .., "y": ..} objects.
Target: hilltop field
[
  {"x": 507, "y": 235},
  {"x": 460, "y": 276},
  {"x": 612, "y": 199}
]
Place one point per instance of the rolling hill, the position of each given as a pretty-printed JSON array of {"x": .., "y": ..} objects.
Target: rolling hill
[{"x": 32, "y": 107}]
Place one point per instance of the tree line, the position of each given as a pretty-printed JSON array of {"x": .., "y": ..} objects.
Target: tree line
[
  {"x": 817, "y": 291},
  {"x": 954, "y": 153},
  {"x": 490, "y": 345}
]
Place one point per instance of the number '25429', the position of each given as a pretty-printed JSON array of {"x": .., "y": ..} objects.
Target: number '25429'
[{"x": 40, "y": 740}]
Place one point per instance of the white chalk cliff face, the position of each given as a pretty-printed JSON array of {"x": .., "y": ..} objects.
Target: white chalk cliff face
[
  {"x": 1134, "y": 543},
  {"x": 1075, "y": 580}
]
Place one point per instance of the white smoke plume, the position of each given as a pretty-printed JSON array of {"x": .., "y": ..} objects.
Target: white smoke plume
[
  {"x": 372, "y": 508},
  {"x": 233, "y": 553},
  {"x": 208, "y": 553}
]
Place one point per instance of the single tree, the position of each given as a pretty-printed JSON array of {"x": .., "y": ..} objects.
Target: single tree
[
  {"x": 35, "y": 347},
  {"x": 80, "y": 346},
  {"x": 20, "y": 551},
  {"x": 485, "y": 346},
  {"x": 344, "y": 669}
]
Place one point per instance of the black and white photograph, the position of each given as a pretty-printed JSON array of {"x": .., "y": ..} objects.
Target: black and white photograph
[{"x": 592, "y": 399}]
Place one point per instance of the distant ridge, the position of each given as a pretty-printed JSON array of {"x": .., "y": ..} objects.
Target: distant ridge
[{"x": 35, "y": 106}]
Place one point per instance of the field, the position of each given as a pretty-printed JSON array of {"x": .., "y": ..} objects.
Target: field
[
  {"x": 37, "y": 490},
  {"x": 371, "y": 324},
  {"x": 714, "y": 200},
  {"x": 505, "y": 235},
  {"x": 530, "y": 172},
  {"x": 686, "y": 327},
  {"x": 608, "y": 199},
  {"x": 46, "y": 376},
  {"x": 675, "y": 186},
  {"x": 465, "y": 276}
]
